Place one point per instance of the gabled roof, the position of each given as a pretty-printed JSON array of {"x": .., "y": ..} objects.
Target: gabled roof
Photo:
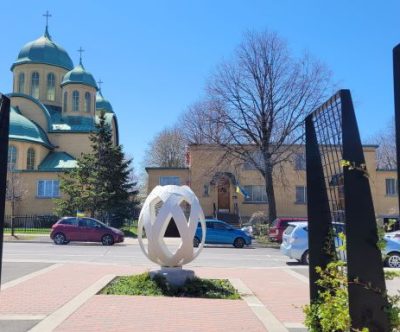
[{"x": 57, "y": 161}]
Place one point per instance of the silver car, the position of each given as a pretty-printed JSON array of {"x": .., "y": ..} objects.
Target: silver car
[{"x": 295, "y": 244}]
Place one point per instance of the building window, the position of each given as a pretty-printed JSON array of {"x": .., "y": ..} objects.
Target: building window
[
  {"x": 255, "y": 194},
  {"x": 300, "y": 162},
  {"x": 87, "y": 102},
  {"x": 21, "y": 83},
  {"x": 167, "y": 180},
  {"x": 301, "y": 195},
  {"x": 30, "y": 159},
  {"x": 12, "y": 157},
  {"x": 51, "y": 87},
  {"x": 35, "y": 85},
  {"x": 391, "y": 187},
  {"x": 65, "y": 101},
  {"x": 75, "y": 101},
  {"x": 48, "y": 188},
  {"x": 256, "y": 159}
]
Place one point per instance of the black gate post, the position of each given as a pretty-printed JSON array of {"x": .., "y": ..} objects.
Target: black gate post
[
  {"x": 367, "y": 299},
  {"x": 320, "y": 241},
  {"x": 396, "y": 85},
  {"x": 4, "y": 129}
]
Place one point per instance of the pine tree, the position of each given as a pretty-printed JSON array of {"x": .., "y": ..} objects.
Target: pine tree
[{"x": 101, "y": 184}]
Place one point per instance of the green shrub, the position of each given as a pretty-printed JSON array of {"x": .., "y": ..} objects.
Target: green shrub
[{"x": 143, "y": 284}]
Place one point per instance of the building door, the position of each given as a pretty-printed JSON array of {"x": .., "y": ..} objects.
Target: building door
[{"x": 224, "y": 195}]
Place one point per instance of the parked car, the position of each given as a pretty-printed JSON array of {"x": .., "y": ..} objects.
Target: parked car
[
  {"x": 295, "y": 244},
  {"x": 86, "y": 230},
  {"x": 279, "y": 225},
  {"x": 219, "y": 232}
]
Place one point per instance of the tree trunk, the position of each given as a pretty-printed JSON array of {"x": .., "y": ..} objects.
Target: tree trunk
[
  {"x": 269, "y": 188},
  {"x": 12, "y": 217}
]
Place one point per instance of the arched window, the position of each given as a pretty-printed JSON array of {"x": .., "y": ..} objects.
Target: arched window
[
  {"x": 30, "y": 159},
  {"x": 35, "y": 85},
  {"x": 12, "y": 157},
  {"x": 65, "y": 108},
  {"x": 21, "y": 83},
  {"x": 75, "y": 101},
  {"x": 51, "y": 87},
  {"x": 88, "y": 102}
]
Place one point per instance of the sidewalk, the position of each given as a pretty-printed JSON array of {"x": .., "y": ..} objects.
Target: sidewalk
[{"x": 62, "y": 297}]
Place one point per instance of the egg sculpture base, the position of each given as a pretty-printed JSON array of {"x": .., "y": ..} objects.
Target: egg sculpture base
[
  {"x": 174, "y": 276},
  {"x": 162, "y": 205}
]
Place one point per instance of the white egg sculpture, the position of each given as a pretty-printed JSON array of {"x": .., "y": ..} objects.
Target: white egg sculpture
[{"x": 155, "y": 222}]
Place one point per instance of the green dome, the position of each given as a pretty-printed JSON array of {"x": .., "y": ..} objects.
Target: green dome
[
  {"x": 79, "y": 75},
  {"x": 103, "y": 104},
  {"x": 24, "y": 129},
  {"x": 44, "y": 50}
]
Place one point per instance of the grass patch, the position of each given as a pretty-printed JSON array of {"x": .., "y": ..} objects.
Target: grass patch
[
  {"x": 28, "y": 230},
  {"x": 129, "y": 231},
  {"x": 143, "y": 284},
  {"x": 264, "y": 241}
]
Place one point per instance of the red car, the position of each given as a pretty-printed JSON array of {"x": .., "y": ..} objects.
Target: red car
[
  {"x": 85, "y": 230},
  {"x": 279, "y": 225}
]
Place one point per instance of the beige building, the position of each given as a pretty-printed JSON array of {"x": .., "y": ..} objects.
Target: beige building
[
  {"x": 217, "y": 181},
  {"x": 55, "y": 106}
]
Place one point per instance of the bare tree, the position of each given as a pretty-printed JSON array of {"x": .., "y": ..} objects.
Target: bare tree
[
  {"x": 167, "y": 149},
  {"x": 258, "y": 103},
  {"x": 386, "y": 152},
  {"x": 14, "y": 193}
]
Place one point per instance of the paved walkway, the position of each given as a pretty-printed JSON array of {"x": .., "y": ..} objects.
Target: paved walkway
[{"x": 62, "y": 297}]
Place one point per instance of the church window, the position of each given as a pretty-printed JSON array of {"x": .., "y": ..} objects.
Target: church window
[
  {"x": 87, "y": 102},
  {"x": 35, "y": 85},
  {"x": 65, "y": 101},
  {"x": 75, "y": 101},
  {"x": 51, "y": 87},
  {"x": 21, "y": 83},
  {"x": 12, "y": 157},
  {"x": 48, "y": 188},
  {"x": 30, "y": 159}
]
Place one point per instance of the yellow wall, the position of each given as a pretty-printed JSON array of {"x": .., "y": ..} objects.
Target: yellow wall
[
  {"x": 207, "y": 160},
  {"x": 30, "y": 110},
  {"x": 82, "y": 89},
  {"x": 43, "y": 70},
  {"x": 73, "y": 143},
  {"x": 22, "y": 150},
  {"x": 30, "y": 203}
]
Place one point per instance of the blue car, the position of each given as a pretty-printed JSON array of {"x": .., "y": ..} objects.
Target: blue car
[
  {"x": 295, "y": 244},
  {"x": 219, "y": 232}
]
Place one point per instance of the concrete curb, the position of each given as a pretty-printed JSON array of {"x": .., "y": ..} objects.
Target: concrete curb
[{"x": 270, "y": 322}]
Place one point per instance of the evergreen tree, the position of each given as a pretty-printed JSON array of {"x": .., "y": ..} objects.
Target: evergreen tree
[{"x": 101, "y": 184}]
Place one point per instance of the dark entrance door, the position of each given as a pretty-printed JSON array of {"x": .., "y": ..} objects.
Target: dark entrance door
[{"x": 224, "y": 195}]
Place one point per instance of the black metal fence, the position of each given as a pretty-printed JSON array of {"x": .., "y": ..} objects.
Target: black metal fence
[
  {"x": 339, "y": 195},
  {"x": 29, "y": 224}
]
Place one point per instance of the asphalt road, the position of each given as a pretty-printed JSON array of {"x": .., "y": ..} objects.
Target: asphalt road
[{"x": 131, "y": 254}]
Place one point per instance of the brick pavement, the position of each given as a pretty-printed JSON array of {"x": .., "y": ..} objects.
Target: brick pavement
[{"x": 279, "y": 291}]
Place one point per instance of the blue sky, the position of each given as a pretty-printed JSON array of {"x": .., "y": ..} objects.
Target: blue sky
[{"x": 155, "y": 56}]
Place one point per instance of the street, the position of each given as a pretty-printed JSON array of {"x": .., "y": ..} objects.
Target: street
[{"x": 131, "y": 254}]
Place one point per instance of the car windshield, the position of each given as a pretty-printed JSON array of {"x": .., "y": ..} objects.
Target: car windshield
[{"x": 275, "y": 223}]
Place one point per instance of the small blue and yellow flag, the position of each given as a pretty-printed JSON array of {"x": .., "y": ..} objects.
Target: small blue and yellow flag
[
  {"x": 241, "y": 191},
  {"x": 80, "y": 214}
]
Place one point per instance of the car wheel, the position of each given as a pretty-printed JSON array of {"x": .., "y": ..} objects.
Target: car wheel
[
  {"x": 107, "y": 240},
  {"x": 239, "y": 242},
  {"x": 305, "y": 259},
  {"x": 59, "y": 238},
  {"x": 66, "y": 241},
  {"x": 393, "y": 260},
  {"x": 196, "y": 242}
]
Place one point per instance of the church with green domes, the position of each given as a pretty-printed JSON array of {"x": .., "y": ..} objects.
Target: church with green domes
[{"x": 54, "y": 108}]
